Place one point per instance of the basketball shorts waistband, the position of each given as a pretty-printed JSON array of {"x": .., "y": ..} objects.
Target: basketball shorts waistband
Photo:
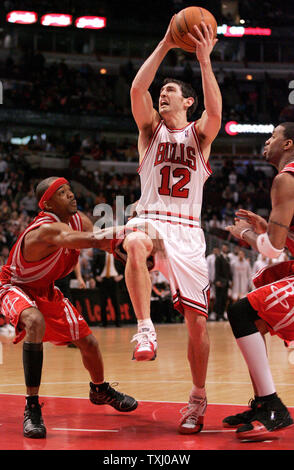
[{"x": 172, "y": 218}]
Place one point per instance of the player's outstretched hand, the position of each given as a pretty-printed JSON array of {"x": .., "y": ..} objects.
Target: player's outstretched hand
[
  {"x": 238, "y": 227},
  {"x": 259, "y": 224}
]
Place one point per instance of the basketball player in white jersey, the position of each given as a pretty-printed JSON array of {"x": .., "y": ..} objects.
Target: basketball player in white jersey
[{"x": 173, "y": 169}]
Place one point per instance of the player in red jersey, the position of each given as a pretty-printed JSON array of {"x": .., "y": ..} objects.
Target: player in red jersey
[
  {"x": 270, "y": 307},
  {"x": 46, "y": 251}
]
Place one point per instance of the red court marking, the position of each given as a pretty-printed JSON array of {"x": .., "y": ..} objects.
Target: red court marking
[{"x": 77, "y": 424}]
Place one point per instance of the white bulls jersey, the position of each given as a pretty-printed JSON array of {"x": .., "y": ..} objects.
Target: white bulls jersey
[{"x": 173, "y": 172}]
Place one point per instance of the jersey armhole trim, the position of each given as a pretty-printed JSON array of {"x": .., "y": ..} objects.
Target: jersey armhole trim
[
  {"x": 77, "y": 220},
  {"x": 156, "y": 130},
  {"x": 205, "y": 164},
  {"x": 289, "y": 168}
]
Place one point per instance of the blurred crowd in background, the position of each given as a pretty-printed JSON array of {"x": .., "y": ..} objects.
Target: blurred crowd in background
[
  {"x": 229, "y": 188},
  {"x": 31, "y": 83},
  {"x": 41, "y": 83}
]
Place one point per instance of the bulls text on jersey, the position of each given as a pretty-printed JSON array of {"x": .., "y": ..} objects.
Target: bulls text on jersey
[{"x": 174, "y": 152}]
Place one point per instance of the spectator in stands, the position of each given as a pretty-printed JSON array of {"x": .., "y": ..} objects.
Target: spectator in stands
[
  {"x": 3, "y": 237},
  {"x": 3, "y": 167},
  {"x": 222, "y": 282},
  {"x": 241, "y": 276},
  {"x": 4, "y": 253},
  {"x": 228, "y": 212},
  {"x": 86, "y": 259},
  {"x": 260, "y": 263},
  {"x": 211, "y": 276},
  {"x": 29, "y": 203},
  {"x": 214, "y": 222},
  {"x": 108, "y": 275},
  {"x": 162, "y": 310}
]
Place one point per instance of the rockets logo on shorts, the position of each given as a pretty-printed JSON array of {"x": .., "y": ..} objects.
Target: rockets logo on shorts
[
  {"x": 274, "y": 303},
  {"x": 279, "y": 295}
]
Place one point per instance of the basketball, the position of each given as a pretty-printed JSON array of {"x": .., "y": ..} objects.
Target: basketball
[{"x": 183, "y": 23}]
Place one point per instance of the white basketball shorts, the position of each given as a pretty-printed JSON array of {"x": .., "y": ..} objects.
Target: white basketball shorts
[{"x": 181, "y": 259}]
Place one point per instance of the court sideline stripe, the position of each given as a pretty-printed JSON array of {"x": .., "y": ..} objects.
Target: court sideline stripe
[
  {"x": 143, "y": 401},
  {"x": 144, "y": 381},
  {"x": 85, "y": 430}
]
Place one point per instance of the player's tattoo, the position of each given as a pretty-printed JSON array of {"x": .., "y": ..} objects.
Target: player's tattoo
[{"x": 279, "y": 224}]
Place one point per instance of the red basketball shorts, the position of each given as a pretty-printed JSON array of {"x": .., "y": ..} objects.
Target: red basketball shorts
[
  {"x": 274, "y": 303},
  {"x": 64, "y": 324}
]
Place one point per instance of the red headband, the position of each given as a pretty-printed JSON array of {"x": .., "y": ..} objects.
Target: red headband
[{"x": 51, "y": 190}]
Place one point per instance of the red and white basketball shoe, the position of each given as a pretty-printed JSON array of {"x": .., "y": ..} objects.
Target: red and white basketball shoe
[
  {"x": 193, "y": 416},
  {"x": 146, "y": 345}
]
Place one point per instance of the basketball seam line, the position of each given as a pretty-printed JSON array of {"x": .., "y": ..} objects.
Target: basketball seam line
[{"x": 186, "y": 43}]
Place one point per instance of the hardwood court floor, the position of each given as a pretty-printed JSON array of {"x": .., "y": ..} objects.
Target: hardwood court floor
[{"x": 162, "y": 387}]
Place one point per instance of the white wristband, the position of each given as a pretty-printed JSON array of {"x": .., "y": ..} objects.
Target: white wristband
[
  {"x": 244, "y": 231},
  {"x": 265, "y": 247}
]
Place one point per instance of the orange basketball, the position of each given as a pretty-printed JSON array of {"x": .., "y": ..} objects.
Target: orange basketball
[{"x": 183, "y": 23}]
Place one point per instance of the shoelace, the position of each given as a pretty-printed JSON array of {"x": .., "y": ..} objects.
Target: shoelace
[
  {"x": 34, "y": 413},
  {"x": 252, "y": 403},
  {"x": 114, "y": 393},
  {"x": 111, "y": 393},
  {"x": 142, "y": 338},
  {"x": 192, "y": 411},
  {"x": 247, "y": 413}
]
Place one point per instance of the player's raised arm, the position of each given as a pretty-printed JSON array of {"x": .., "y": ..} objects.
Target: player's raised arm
[
  {"x": 145, "y": 115},
  {"x": 209, "y": 124}
]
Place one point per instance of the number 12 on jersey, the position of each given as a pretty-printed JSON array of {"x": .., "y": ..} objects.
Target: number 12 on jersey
[{"x": 177, "y": 189}]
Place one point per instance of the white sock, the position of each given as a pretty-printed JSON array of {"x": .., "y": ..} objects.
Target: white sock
[
  {"x": 145, "y": 325},
  {"x": 198, "y": 392},
  {"x": 254, "y": 353}
]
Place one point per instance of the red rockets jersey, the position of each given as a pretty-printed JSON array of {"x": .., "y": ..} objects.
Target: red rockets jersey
[
  {"x": 290, "y": 239},
  {"x": 39, "y": 274},
  {"x": 173, "y": 172}
]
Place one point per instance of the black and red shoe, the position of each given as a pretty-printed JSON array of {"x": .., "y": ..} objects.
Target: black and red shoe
[
  {"x": 270, "y": 418},
  {"x": 107, "y": 395},
  {"x": 33, "y": 424},
  {"x": 237, "y": 420}
]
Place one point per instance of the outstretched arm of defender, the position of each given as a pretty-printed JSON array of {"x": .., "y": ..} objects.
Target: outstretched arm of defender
[
  {"x": 271, "y": 242},
  {"x": 60, "y": 235}
]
